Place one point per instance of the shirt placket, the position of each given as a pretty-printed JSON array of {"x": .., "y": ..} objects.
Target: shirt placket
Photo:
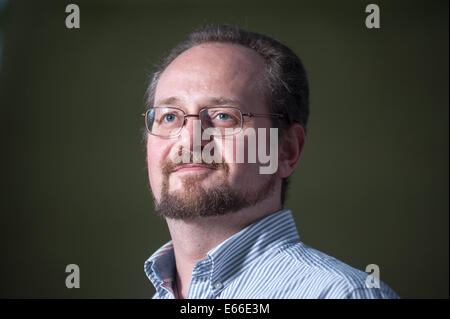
[
  {"x": 200, "y": 287},
  {"x": 167, "y": 285}
]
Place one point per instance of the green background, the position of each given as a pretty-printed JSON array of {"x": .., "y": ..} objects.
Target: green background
[{"x": 372, "y": 186}]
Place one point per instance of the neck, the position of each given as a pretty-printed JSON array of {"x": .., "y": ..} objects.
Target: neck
[{"x": 193, "y": 238}]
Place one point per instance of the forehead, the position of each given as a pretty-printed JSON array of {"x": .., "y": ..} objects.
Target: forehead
[{"x": 214, "y": 70}]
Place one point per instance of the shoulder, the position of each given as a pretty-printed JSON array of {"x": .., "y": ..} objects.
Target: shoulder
[{"x": 304, "y": 272}]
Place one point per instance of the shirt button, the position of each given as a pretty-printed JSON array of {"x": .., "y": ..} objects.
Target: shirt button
[{"x": 218, "y": 285}]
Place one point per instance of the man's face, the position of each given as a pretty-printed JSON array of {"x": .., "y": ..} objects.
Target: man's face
[{"x": 198, "y": 78}]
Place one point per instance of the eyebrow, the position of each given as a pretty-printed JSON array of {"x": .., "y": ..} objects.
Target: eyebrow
[
  {"x": 173, "y": 100},
  {"x": 176, "y": 101}
]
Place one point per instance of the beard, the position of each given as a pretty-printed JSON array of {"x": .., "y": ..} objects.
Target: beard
[{"x": 196, "y": 201}]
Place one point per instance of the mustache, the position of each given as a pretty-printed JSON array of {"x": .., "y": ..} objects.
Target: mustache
[{"x": 168, "y": 166}]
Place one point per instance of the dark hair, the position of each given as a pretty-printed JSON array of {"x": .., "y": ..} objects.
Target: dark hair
[{"x": 285, "y": 78}]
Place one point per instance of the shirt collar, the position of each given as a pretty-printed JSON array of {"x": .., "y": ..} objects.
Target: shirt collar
[
  {"x": 225, "y": 261},
  {"x": 160, "y": 269},
  {"x": 239, "y": 251}
]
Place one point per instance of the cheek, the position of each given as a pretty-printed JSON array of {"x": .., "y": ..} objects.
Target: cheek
[
  {"x": 234, "y": 149},
  {"x": 241, "y": 171},
  {"x": 156, "y": 152}
]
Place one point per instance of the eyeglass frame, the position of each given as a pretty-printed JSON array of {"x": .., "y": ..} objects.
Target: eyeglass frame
[{"x": 250, "y": 114}]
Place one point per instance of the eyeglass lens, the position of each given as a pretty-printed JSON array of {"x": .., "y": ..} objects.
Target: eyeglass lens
[{"x": 168, "y": 121}]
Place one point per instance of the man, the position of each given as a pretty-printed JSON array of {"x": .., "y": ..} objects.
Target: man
[{"x": 231, "y": 237}]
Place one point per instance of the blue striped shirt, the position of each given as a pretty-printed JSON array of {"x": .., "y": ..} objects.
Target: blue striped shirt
[{"x": 263, "y": 261}]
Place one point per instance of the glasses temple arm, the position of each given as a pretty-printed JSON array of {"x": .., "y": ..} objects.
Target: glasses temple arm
[{"x": 263, "y": 115}]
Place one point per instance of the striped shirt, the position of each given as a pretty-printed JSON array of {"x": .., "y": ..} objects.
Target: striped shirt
[{"x": 263, "y": 261}]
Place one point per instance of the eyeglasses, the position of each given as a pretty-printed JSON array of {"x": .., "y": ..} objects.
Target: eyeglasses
[{"x": 169, "y": 121}]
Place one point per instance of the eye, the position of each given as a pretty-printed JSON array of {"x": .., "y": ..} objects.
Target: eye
[
  {"x": 223, "y": 116},
  {"x": 169, "y": 117}
]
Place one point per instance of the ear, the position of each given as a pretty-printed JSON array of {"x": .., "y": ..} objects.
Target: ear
[{"x": 291, "y": 148}]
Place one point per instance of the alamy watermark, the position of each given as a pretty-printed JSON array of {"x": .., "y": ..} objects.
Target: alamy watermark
[
  {"x": 373, "y": 279},
  {"x": 373, "y": 19},
  {"x": 259, "y": 147},
  {"x": 73, "y": 279},
  {"x": 73, "y": 19}
]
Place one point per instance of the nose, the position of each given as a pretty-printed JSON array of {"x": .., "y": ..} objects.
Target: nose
[{"x": 191, "y": 133}]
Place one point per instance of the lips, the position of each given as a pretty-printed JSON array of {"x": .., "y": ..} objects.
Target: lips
[{"x": 192, "y": 167}]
